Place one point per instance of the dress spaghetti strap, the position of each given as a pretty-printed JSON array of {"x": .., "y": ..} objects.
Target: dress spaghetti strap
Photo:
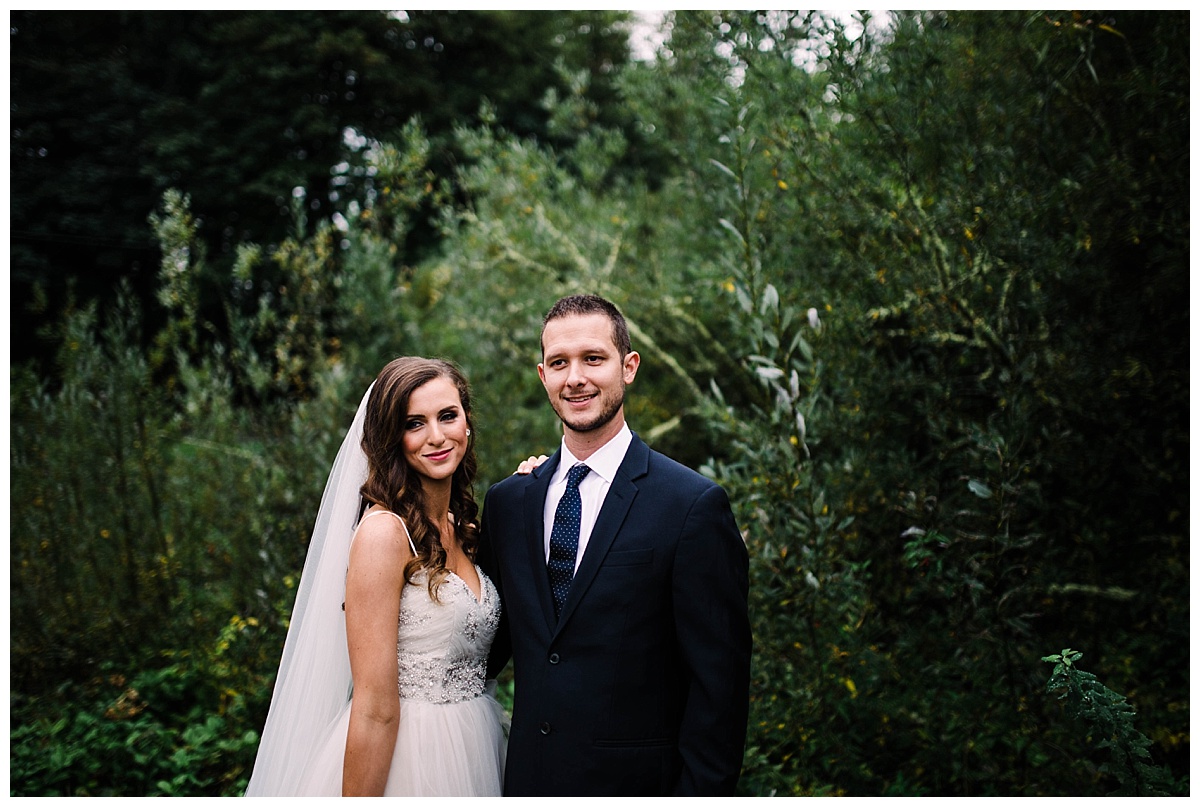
[{"x": 411, "y": 545}]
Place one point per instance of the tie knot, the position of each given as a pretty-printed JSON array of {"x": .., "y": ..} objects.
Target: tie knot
[{"x": 577, "y": 473}]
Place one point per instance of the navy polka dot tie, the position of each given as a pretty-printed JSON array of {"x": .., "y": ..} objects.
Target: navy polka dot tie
[{"x": 564, "y": 537}]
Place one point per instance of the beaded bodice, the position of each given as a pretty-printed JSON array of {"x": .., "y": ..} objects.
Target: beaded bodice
[{"x": 444, "y": 644}]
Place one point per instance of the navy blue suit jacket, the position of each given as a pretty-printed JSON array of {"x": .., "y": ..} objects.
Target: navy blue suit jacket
[{"x": 641, "y": 686}]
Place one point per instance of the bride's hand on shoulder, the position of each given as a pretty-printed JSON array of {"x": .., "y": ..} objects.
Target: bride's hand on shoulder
[{"x": 528, "y": 465}]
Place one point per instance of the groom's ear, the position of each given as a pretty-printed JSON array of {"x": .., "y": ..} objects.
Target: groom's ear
[
  {"x": 632, "y": 362},
  {"x": 542, "y": 373}
]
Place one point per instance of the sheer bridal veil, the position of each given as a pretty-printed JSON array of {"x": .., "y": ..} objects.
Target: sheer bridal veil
[{"x": 314, "y": 684}]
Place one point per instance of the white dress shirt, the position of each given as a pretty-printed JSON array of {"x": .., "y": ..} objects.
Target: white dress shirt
[{"x": 592, "y": 488}]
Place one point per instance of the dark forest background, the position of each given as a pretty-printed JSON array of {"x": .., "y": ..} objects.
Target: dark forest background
[{"x": 913, "y": 288}]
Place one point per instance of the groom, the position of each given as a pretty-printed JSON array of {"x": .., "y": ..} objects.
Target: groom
[{"x": 623, "y": 579}]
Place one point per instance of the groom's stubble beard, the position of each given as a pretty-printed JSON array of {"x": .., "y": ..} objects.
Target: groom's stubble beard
[{"x": 612, "y": 405}]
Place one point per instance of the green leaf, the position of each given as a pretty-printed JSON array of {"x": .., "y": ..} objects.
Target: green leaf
[
  {"x": 724, "y": 168},
  {"x": 770, "y": 299},
  {"x": 744, "y": 299},
  {"x": 729, "y": 225},
  {"x": 979, "y": 489}
]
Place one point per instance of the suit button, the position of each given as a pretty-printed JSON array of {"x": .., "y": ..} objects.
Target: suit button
[
  {"x": 545, "y": 728},
  {"x": 554, "y": 658}
]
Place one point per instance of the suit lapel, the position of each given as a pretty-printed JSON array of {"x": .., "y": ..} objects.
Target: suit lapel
[
  {"x": 608, "y": 522},
  {"x": 535, "y": 529}
]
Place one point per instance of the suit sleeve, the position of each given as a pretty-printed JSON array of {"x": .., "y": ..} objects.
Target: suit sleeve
[
  {"x": 501, "y": 650},
  {"x": 710, "y": 586}
]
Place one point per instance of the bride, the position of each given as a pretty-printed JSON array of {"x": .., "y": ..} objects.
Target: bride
[{"x": 381, "y": 688}]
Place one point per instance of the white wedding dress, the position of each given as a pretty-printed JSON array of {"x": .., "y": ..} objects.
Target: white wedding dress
[{"x": 451, "y": 738}]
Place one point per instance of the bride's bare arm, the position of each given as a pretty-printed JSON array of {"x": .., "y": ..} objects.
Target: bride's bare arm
[{"x": 373, "y": 585}]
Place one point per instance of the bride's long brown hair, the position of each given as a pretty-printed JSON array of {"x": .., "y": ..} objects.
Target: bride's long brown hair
[{"x": 392, "y": 483}]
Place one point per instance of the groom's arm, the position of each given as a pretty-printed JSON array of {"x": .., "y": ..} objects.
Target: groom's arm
[
  {"x": 501, "y": 650},
  {"x": 710, "y": 586}
]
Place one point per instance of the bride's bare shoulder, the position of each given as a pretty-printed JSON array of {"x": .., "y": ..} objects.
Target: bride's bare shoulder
[{"x": 380, "y": 532}]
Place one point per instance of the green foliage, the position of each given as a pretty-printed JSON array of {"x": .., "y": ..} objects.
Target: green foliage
[
  {"x": 238, "y": 108},
  {"x": 950, "y": 431},
  {"x": 809, "y": 599},
  {"x": 91, "y": 548},
  {"x": 1111, "y": 717},
  {"x": 174, "y": 730}
]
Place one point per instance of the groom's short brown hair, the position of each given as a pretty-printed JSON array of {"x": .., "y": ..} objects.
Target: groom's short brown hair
[{"x": 584, "y": 304}]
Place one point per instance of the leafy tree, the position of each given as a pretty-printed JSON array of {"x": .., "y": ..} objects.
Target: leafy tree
[
  {"x": 237, "y": 109},
  {"x": 961, "y": 323}
]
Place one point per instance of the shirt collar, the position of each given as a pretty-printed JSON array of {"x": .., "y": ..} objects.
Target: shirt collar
[{"x": 604, "y": 462}]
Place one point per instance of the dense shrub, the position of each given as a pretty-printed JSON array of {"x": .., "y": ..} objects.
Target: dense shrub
[{"x": 182, "y": 728}]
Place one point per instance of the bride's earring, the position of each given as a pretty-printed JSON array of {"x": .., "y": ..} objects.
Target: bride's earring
[{"x": 468, "y": 432}]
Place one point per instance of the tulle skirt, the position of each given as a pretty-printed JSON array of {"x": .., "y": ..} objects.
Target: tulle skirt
[{"x": 442, "y": 749}]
